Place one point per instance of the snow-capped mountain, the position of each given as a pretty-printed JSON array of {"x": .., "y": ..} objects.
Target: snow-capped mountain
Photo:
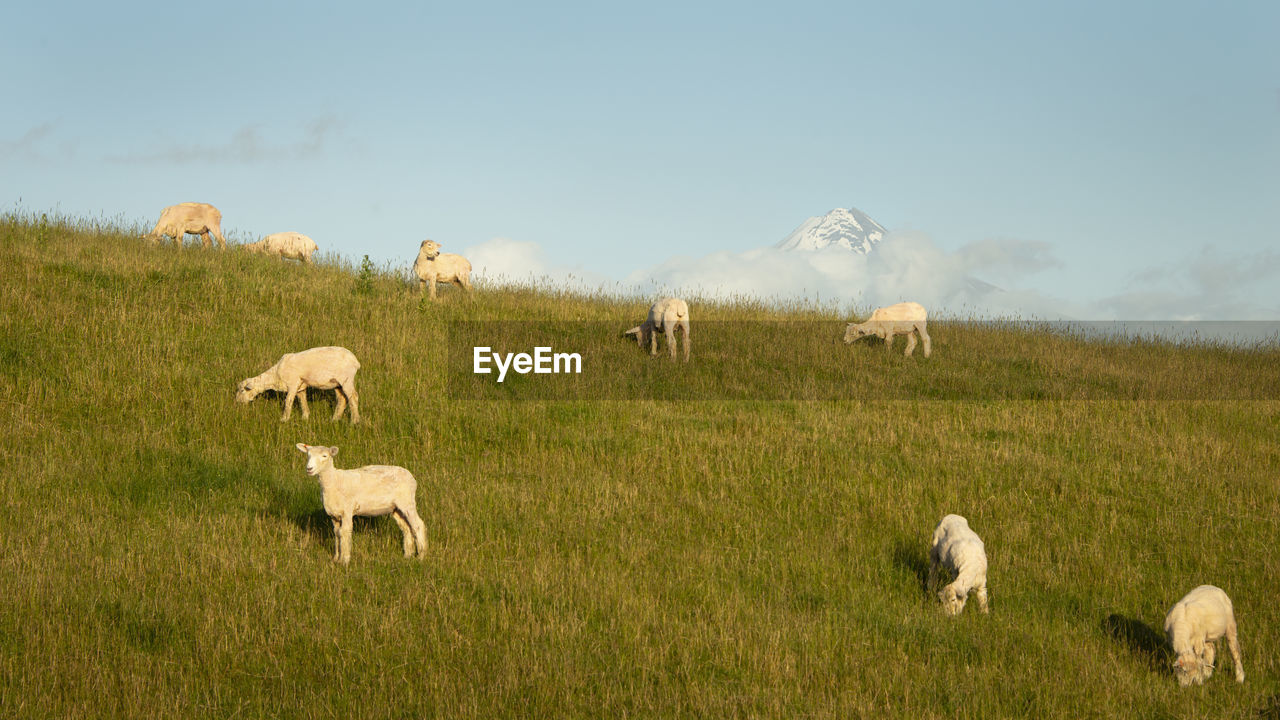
[{"x": 850, "y": 229}]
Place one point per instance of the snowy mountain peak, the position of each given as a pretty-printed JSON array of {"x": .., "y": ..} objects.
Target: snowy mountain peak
[{"x": 850, "y": 229}]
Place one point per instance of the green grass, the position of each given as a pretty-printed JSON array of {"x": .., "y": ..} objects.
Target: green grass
[{"x": 752, "y": 548}]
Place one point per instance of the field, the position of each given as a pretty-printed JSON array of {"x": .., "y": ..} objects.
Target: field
[{"x": 744, "y": 536}]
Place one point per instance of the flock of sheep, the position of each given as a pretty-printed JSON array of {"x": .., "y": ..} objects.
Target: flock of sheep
[
  {"x": 1193, "y": 625},
  {"x": 203, "y": 219}
]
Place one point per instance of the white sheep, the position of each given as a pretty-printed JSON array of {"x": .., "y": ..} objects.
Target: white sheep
[
  {"x": 288, "y": 245},
  {"x": 665, "y": 316},
  {"x": 176, "y": 221},
  {"x": 433, "y": 266},
  {"x": 906, "y": 318},
  {"x": 323, "y": 368},
  {"x": 370, "y": 491},
  {"x": 959, "y": 549},
  {"x": 1193, "y": 626}
]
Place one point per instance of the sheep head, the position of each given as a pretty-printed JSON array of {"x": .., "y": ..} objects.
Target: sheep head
[
  {"x": 1188, "y": 669},
  {"x": 430, "y": 249},
  {"x": 319, "y": 457},
  {"x": 642, "y": 332},
  {"x": 854, "y": 331},
  {"x": 952, "y": 601},
  {"x": 250, "y": 388}
]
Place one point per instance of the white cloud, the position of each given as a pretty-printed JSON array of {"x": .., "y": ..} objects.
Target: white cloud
[
  {"x": 904, "y": 266},
  {"x": 503, "y": 260}
]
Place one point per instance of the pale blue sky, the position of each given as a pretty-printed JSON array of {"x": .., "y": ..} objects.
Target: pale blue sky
[{"x": 1133, "y": 149}]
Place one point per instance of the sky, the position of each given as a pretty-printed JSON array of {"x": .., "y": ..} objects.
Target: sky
[{"x": 1090, "y": 160}]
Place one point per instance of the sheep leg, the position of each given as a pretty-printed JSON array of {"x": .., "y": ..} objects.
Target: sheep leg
[
  {"x": 464, "y": 282},
  {"x": 419, "y": 529},
  {"x": 354, "y": 397},
  {"x": 924, "y": 339},
  {"x": 982, "y": 599},
  {"x": 653, "y": 342},
  {"x": 288, "y": 403},
  {"x": 344, "y": 545},
  {"x": 671, "y": 339},
  {"x": 405, "y": 532},
  {"x": 1234, "y": 646},
  {"x": 341, "y": 404},
  {"x": 911, "y": 344},
  {"x": 432, "y": 282},
  {"x": 302, "y": 401},
  {"x": 347, "y": 392},
  {"x": 686, "y": 342},
  {"x": 337, "y": 538}
]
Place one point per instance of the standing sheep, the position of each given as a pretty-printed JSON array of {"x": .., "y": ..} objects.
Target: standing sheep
[
  {"x": 323, "y": 368},
  {"x": 665, "y": 316},
  {"x": 288, "y": 245},
  {"x": 177, "y": 221},
  {"x": 958, "y": 548},
  {"x": 433, "y": 267},
  {"x": 1194, "y": 625},
  {"x": 907, "y": 318},
  {"x": 370, "y": 491}
]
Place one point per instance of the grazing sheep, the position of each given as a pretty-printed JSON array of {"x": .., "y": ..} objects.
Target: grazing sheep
[
  {"x": 433, "y": 266},
  {"x": 907, "y": 318},
  {"x": 323, "y": 368},
  {"x": 1194, "y": 625},
  {"x": 288, "y": 245},
  {"x": 370, "y": 491},
  {"x": 176, "y": 221},
  {"x": 665, "y": 316},
  {"x": 958, "y": 548}
]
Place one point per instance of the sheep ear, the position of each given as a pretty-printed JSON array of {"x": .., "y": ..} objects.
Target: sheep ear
[
  {"x": 301, "y": 447},
  {"x": 333, "y": 451}
]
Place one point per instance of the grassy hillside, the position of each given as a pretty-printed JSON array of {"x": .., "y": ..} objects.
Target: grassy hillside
[{"x": 742, "y": 537}]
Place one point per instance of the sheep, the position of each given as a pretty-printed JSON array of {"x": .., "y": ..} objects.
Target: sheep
[
  {"x": 433, "y": 267},
  {"x": 960, "y": 549},
  {"x": 323, "y": 368},
  {"x": 370, "y": 491},
  {"x": 665, "y": 316},
  {"x": 1193, "y": 626},
  {"x": 288, "y": 245},
  {"x": 906, "y": 318},
  {"x": 177, "y": 221}
]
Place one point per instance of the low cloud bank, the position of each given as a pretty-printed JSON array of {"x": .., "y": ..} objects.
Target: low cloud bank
[
  {"x": 990, "y": 278},
  {"x": 904, "y": 266},
  {"x": 503, "y": 260}
]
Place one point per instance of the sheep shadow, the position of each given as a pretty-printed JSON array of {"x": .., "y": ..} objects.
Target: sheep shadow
[
  {"x": 305, "y": 512},
  {"x": 1143, "y": 641},
  {"x": 909, "y": 556},
  {"x": 321, "y": 402},
  {"x": 317, "y": 525}
]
